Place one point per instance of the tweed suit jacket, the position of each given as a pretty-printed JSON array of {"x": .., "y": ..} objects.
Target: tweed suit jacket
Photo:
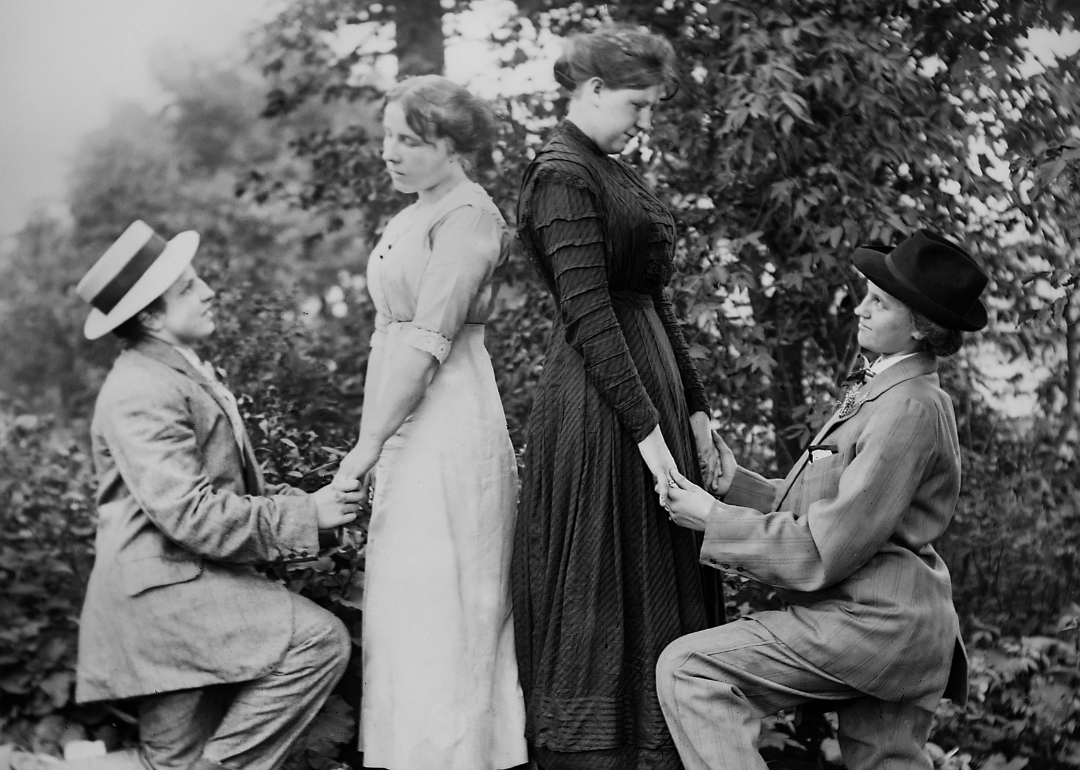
[
  {"x": 172, "y": 603},
  {"x": 847, "y": 541}
]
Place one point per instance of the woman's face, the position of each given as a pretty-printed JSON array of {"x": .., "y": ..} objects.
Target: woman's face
[
  {"x": 415, "y": 164},
  {"x": 885, "y": 323},
  {"x": 619, "y": 114}
]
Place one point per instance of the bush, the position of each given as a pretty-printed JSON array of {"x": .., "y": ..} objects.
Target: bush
[
  {"x": 46, "y": 552},
  {"x": 1014, "y": 543}
]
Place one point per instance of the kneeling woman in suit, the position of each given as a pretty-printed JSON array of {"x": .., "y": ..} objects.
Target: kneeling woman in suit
[{"x": 847, "y": 539}]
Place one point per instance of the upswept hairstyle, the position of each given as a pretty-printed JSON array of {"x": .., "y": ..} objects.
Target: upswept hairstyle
[
  {"x": 438, "y": 108},
  {"x": 621, "y": 56},
  {"x": 937, "y": 340}
]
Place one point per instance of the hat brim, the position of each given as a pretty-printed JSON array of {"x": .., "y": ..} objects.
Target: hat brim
[
  {"x": 872, "y": 264},
  {"x": 162, "y": 274}
]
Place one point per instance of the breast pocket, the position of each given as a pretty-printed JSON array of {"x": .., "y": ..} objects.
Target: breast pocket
[
  {"x": 820, "y": 480},
  {"x": 154, "y": 571}
]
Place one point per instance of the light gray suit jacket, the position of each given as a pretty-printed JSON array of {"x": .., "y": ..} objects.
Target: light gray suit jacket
[
  {"x": 182, "y": 510},
  {"x": 847, "y": 541}
]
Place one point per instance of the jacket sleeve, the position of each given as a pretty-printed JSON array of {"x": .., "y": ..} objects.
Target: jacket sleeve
[
  {"x": 751, "y": 490},
  {"x": 568, "y": 225},
  {"x": 150, "y": 435},
  {"x": 840, "y": 533},
  {"x": 696, "y": 400}
]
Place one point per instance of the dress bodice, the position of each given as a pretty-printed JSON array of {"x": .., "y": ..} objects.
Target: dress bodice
[
  {"x": 639, "y": 231},
  {"x": 439, "y": 265}
]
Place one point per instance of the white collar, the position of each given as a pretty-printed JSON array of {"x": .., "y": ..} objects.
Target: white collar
[
  {"x": 202, "y": 367},
  {"x": 884, "y": 362}
]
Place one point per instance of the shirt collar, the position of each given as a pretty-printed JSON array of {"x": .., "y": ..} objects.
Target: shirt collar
[
  {"x": 202, "y": 367},
  {"x": 884, "y": 362}
]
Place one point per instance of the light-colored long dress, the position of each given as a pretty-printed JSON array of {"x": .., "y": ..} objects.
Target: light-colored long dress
[{"x": 440, "y": 675}]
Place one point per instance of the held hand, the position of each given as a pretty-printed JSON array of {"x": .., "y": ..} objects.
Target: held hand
[
  {"x": 708, "y": 456},
  {"x": 337, "y": 503},
  {"x": 367, "y": 486},
  {"x": 654, "y": 450},
  {"x": 728, "y": 466},
  {"x": 360, "y": 459},
  {"x": 690, "y": 505}
]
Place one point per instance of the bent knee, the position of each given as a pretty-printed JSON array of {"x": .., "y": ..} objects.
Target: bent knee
[{"x": 339, "y": 642}]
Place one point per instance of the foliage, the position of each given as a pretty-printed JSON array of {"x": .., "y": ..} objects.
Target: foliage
[
  {"x": 1013, "y": 546},
  {"x": 802, "y": 128},
  {"x": 1023, "y": 709},
  {"x": 46, "y": 551}
]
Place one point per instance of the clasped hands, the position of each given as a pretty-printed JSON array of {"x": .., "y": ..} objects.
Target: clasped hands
[
  {"x": 338, "y": 502},
  {"x": 687, "y": 504}
]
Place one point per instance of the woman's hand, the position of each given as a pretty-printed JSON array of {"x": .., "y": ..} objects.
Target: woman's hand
[
  {"x": 654, "y": 450},
  {"x": 728, "y": 466},
  {"x": 689, "y": 505},
  {"x": 360, "y": 459},
  {"x": 708, "y": 456}
]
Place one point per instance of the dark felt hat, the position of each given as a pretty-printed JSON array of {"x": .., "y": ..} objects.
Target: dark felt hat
[{"x": 931, "y": 274}]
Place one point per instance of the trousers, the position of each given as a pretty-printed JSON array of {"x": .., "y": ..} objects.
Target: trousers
[
  {"x": 250, "y": 725},
  {"x": 716, "y": 685}
]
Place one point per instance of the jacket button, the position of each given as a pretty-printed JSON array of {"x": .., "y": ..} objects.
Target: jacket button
[{"x": 726, "y": 565}]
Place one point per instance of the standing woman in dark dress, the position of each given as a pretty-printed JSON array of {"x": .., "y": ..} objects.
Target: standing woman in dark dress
[{"x": 602, "y": 579}]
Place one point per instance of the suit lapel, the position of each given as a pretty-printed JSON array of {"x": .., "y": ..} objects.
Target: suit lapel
[
  {"x": 915, "y": 366},
  {"x": 168, "y": 355}
]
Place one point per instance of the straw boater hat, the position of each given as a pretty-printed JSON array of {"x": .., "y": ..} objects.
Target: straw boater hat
[
  {"x": 932, "y": 275},
  {"x": 132, "y": 273}
]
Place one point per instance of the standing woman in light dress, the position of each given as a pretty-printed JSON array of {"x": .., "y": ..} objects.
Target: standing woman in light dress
[{"x": 440, "y": 683}]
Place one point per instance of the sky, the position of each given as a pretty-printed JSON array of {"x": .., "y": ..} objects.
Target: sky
[{"x": 64, "y": 64}]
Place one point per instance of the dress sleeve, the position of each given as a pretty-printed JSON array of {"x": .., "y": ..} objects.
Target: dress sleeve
[
  {"x": 696, "y": 400},
  {"x": 465, "y": 249},
  {"x": 569, "y": 229}
]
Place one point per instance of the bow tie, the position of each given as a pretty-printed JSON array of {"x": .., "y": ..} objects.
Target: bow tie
[{"x": 859, "y": 376}]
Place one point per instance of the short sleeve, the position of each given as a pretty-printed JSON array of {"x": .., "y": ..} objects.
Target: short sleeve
[{"x": 466, "y": 246}]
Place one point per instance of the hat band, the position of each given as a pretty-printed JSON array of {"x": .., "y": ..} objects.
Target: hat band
[
  {"x": 115, "y": 290},
  {"x": 907, "y": 284}
]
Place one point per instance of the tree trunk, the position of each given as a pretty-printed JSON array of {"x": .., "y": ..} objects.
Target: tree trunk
[
  {"x": 1071, "y": 414},
  {"x": 419, "y": 43},
  {"x": 787, "y": 395}
]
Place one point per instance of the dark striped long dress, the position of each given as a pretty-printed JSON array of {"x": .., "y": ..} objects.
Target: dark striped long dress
[{"x": 602, "y": 581}]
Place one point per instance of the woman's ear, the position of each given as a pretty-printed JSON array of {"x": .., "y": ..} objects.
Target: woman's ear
[{"x": 593, "y": 86}]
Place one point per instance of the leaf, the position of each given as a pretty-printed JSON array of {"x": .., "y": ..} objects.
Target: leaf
[
  {"x": 58, "y": 687},
  {"x": 796, "y": 104},
  {"x": 998, "y": 762},
  {"x": 333, "y": 725}
]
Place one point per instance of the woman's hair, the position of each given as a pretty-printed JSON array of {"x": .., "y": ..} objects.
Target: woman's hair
[
  {"x": 133, "y": 328},
  {"x": 937, "y": 340},
  {"x": 438, "y": 108},
  {"x": 621, "y": 56}
]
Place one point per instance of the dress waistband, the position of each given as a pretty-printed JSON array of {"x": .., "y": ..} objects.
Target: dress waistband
[
  {"x": 406, "y": 323},
  {"x": 631, "y": 299}
]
